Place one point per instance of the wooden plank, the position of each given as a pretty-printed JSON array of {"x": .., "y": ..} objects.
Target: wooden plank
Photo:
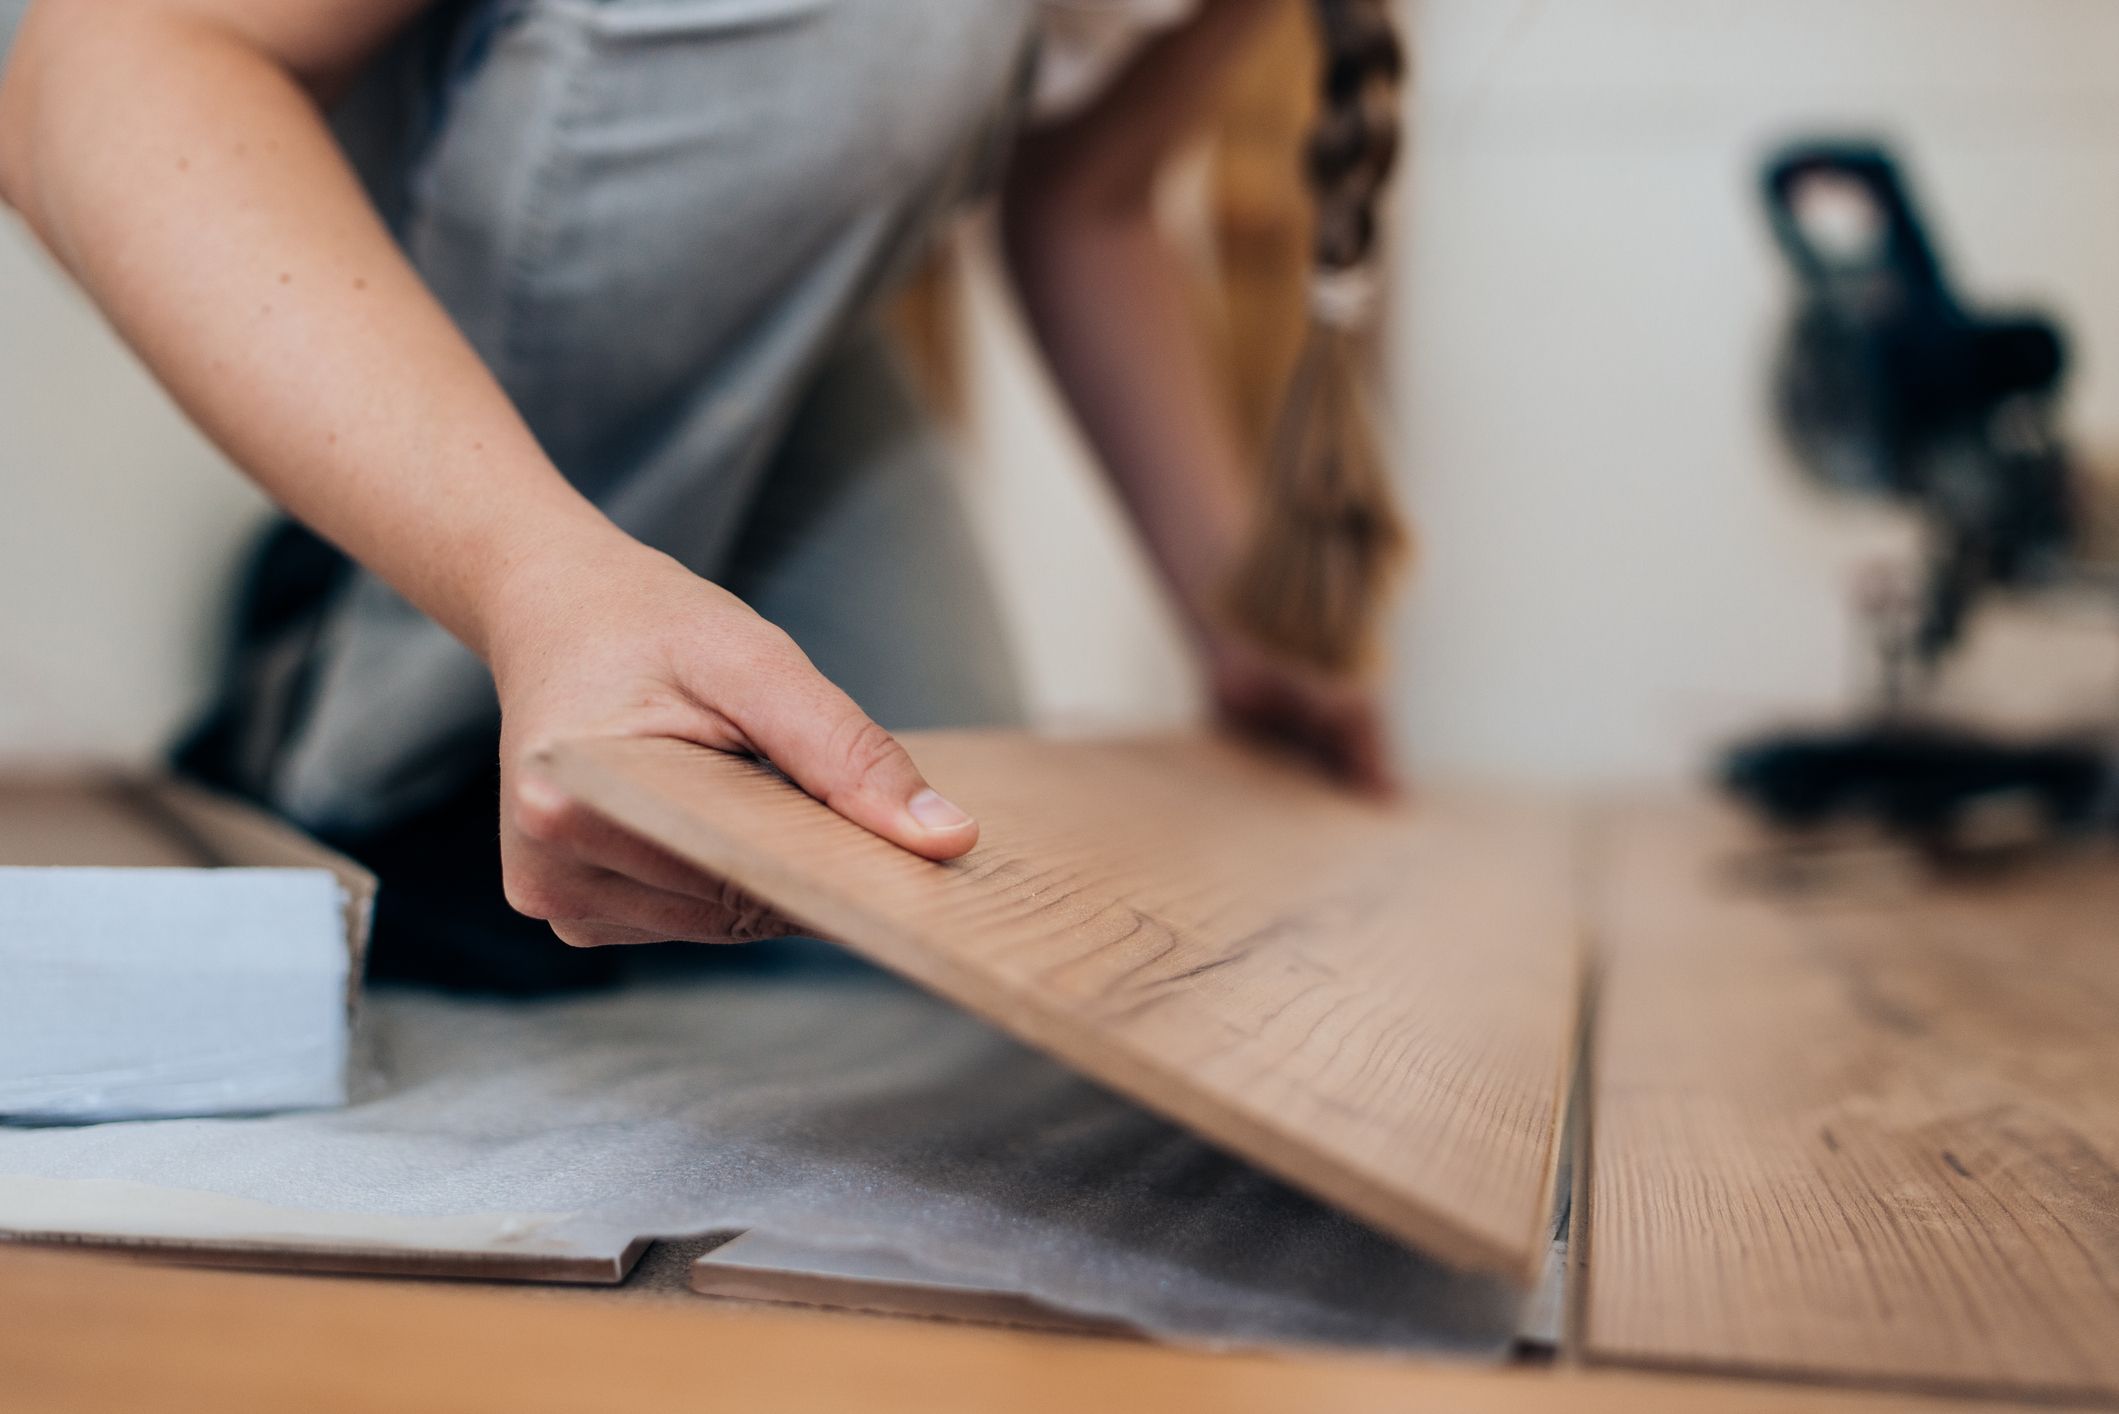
[
  {"x": 1867, "y": 1132},
  {"x": 756, "y": 1266},
  {"x": 1376, "y": 1003},
  {"x": 83, "y": 1335},
  {"x": 353, "y": 1258}
]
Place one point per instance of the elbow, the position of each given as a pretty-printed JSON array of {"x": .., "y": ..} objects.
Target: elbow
[
  {"x": 11, "y": 180},
  {"x": 69, "y": 57},
  {"x": 52, "y": 37},
  {"x": 17, "y": 82}
]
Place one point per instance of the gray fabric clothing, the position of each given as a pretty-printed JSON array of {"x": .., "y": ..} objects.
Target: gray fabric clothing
[
  {"x": 858, "y": 545},
  {"x": 656, "y": 219}
]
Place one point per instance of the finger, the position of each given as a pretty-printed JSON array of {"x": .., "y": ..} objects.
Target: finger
[
  {"x": 1346, "y": 732},
  {"x": 599, "y": 935},
  {"x": 828, "y": 746},
  {"x": 1363, "y": 752},
  {"x": 1339, "y": 728},
  {"x": 606, "y": 908},
  {"x": 550, "y": 817},
  {"x": 1276, "y": 712},
  {"x": 590, "y": 906}
]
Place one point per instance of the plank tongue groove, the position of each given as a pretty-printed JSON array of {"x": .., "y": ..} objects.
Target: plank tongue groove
[
  {"x": 1868, "y": 1133},
  {"x": 1377, "y": 1003}
]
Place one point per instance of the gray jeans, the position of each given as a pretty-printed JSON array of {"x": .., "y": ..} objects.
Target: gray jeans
[{"x": 664, "y": 225}]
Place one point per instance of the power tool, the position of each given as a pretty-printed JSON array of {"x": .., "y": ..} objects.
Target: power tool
[{"x": 1889, "y": 385}]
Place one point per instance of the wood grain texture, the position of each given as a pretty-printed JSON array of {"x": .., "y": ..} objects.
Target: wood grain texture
[
  {"x": 84, "y": 1335},
  {"x": 1375, "y": 1003},
  {"x": 1870, "y": 1132}
]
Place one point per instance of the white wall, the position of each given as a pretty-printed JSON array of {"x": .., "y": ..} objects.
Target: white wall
[
  {"x": 117, "y": 528},
  {"x": 1621, "y": 569},
  {"x": 1618, "y": 569}
]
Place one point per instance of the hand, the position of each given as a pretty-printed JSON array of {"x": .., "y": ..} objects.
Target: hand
[
  {"x": 1335, "y": 720},
  {"x": 623, "y": 641}
]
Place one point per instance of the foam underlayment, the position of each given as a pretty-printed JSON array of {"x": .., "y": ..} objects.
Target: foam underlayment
[
  {"x": 139, "y": 992},
  {"x": 815, "y": 1099}
]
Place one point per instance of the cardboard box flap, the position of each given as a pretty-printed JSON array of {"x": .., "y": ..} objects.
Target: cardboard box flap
[
  {"x": 1376, "y": 1003},
  {"x": 230, "y": 832},
  {"x": 88, "y": 817}
]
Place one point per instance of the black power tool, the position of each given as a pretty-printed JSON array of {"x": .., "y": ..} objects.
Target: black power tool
[{"x": 1890, "y": 386}]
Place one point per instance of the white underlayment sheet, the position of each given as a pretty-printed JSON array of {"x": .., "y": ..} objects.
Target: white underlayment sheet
[{"x": 826, "y": 1102}]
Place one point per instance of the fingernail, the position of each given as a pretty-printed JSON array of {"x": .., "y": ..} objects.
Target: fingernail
[
  {"x": 536, "y": 793},
  {"x": 935, "y": 810}
]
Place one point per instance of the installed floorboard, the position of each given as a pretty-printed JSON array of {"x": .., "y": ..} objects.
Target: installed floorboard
[
  {"x": 757, "y": 1266},
  {"x": 1867, "y": 1131},
  {"x": 1376, "y": 1003},
  {"x": 89, "y": 1336},
  {"x": 354, "y": 1259}
]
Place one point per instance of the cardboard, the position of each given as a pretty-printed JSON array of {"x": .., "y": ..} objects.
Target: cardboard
[{"x": 169, "y": 952}]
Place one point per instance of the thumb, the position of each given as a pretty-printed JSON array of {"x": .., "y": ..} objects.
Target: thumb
[{"x": 831, "y": 748}]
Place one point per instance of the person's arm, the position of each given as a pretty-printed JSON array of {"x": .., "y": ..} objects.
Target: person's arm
[
  {"x": 173, "y": 156},
  {"x": 1105, "y": 291}
]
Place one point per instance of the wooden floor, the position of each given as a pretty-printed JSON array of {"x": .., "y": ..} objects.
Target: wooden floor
[
  {"x": 1378, "y": 1003},
  {"x": 88, "y": 1335},
  {"x": 1868, "y": 1131},
  {"x": 1848, "y": 1144}
]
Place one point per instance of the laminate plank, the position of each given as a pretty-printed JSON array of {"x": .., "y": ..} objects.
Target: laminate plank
[
  {"x": 1376, "y": 1003},
  {"x": 352, "y": 1258},
  {"x": 758, "y": 1266},
  {"x": 1866, "y": 1131},
  {"x": 84, "y": 1335}
]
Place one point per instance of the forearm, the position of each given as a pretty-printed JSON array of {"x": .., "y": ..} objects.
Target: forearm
[
  {"x": 1109, "y": 299},
  {"x": 188, "y": 181},
  {"x": 1107, "y": 296}
]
